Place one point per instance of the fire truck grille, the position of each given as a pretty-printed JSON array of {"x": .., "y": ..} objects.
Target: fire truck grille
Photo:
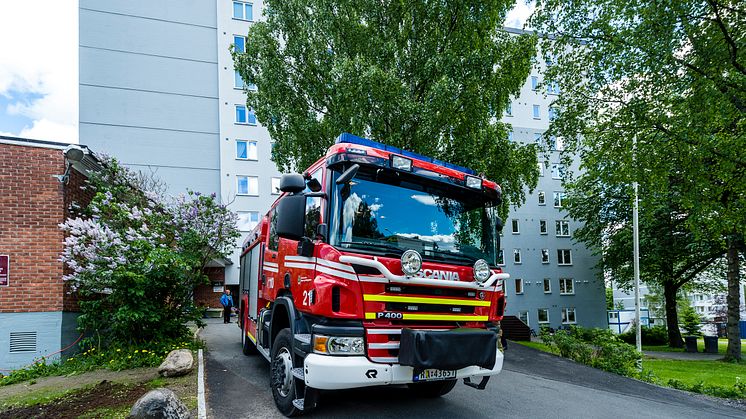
[
  {"x": 430, "y": 308},
  {"x": 435, "y": 292}
]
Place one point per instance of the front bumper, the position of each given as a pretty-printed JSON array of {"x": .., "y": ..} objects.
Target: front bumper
[{"x": 325, "y": 372}]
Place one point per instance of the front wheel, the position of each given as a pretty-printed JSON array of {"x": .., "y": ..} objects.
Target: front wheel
[
  {"x": 281, "y": 374},
  {"x": 432, "y": 389}
]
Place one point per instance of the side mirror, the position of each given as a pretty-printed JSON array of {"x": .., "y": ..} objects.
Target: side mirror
[
  {"x": 291, "y": 216},
  {"x": 292, "y": 183},
  {"x": 348, "y": 174}
]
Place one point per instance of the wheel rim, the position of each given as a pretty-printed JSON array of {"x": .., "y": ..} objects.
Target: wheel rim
[{"x": 282, "y": 376}]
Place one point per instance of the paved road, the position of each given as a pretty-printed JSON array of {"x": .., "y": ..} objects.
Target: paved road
[{"x": 532, "y": 385}]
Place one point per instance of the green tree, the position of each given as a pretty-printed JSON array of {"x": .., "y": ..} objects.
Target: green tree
[
  {"x": 430, "y": 77},
  {"x": 609, "y": 299},
  {"x": 690, "y": 320},
  {"x": 671, "y": 74}
]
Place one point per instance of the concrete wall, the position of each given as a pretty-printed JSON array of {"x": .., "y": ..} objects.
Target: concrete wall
[{"x": 148, "y": 88}]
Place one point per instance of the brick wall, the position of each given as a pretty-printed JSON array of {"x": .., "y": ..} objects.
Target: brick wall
[
  {"x": 31, "y": 208},
  {"x": 204, "y": 294}
]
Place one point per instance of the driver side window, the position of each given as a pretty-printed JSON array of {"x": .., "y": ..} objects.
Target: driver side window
[{"x": 274, "y": 240}]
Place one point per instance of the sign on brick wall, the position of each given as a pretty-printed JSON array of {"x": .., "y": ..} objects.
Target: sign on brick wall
[{"x": 4, "y": 270}]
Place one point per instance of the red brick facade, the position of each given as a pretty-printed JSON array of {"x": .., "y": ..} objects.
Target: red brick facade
[
  {"x": 204, "y": 295},
  {"x": 31, "y": 209}
]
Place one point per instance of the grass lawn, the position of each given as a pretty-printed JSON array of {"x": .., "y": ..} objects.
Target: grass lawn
[
  {"x": 537, "y": 345},
  {"x": 722, "y": 347},
  {"x": 714, "y": 373}
]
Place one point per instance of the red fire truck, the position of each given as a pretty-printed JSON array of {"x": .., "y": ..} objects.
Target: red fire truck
[{"x": 376, "y": 266}]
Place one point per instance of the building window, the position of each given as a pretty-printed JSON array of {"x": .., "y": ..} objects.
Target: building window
[
  {"x": 276, "y": 186},
  {"x": 501, "y": 257},
  {"x": 523, "y": 315},
  {"x": 559, "y": 144},
  {"x": 562, "y": 228},
  {"x": 247, "y": 220},
  {"x": 515, "y": 224},
  {"x": 552, "y": 111},
  {"x": 558, "y": 171},
  {"x": 553, "y": 87},
  {"x": 537, "y": 139},
  {"x": 543, "y": 315},
  {"x": 239, "y": 43},
  {"x": 567, "y": 286},
  {"x": 245, "y": 116},
  {"x": 247, "y": 185},
  {"x": 547, "y": 286},
  {"x": 537, "y": 112},
  {"x": 564, "y": 257},
  {"x": 509, "y": 109},
  {"x": 559, "y": 197},
  {"x": 544, "y": 255},
  {"x": 551, "y": 142},
  {"x": 568, "y": 315},
  {"x": 518, "y": 286},
  {"x": 542, "y": 226},
  {"x": 534, "y": 83},
  {"x": 510, "y": 136},
  {"x": 237, "y": 80},
  {"x": 542, "y": 198},
  {"x": 540, "y": 167},
  {"x": 246, "y": 150},
  {"x": 243, "y": 10},
  {"x": 517, "y": 256}
]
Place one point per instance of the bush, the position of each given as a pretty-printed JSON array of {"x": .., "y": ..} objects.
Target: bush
[
  {"x": 654, "y": 336},
  {"x": 134, "y": 258},
  {"x": 598, "y": 348},
  {"x": 115, "y": 358}
]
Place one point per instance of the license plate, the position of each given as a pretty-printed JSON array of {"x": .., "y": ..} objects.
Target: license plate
[{"x": 433, "y": 375}]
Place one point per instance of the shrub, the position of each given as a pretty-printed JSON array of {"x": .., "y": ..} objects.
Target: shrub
[
  {"x": 598, "y": 348},
  {"x": 654, "y": 336},
  {"x": 135, "y": 258}
]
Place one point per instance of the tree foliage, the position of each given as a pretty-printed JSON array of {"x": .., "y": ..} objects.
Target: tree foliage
[
  {"x": 671, "y": 74},
  {"x": 430, "y": 77},
  {"x": 134, "y": 258}
]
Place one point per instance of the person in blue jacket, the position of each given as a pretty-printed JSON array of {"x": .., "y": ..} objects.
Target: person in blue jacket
[{"x": 226, "y": 300}]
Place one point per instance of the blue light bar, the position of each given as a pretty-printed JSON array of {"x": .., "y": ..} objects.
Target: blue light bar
[{"x": 354, "y": 139}]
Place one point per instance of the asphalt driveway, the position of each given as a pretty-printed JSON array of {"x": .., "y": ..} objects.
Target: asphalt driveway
[{"x": 533, "y": 385}]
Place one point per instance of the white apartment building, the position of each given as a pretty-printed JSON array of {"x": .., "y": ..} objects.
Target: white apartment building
[{"x": 158, "y": 91}]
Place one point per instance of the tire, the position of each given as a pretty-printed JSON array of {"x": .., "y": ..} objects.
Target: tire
[
  {"x": 432, "y": 389},
  {"x": 280, "y": 375},
  {"x": 248, "y": 347}
]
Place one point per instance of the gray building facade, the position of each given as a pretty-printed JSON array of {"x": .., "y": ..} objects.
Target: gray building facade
[{"x": 158, "y": 91}]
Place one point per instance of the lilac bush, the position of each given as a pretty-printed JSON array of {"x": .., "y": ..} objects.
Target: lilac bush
[{"x": 134, "y": 257}]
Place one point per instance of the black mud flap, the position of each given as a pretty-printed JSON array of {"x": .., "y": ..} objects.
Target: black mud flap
[{"x": 447, "y": 350}]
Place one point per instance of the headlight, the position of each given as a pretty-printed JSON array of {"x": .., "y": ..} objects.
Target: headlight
[
  {"x": 338, "y": 345},
  {"x": 411, "y": 262},
  {"x": 481, "y": 271}
]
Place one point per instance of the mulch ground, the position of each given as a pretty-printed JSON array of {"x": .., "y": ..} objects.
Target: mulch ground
[{"x": 71, "y": 406}]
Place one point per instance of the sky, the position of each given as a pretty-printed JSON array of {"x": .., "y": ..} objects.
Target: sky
[{"x": 39, "y": 67}]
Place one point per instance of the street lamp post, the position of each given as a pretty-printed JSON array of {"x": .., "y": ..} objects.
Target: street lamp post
[{"x": 636, "y": 255}]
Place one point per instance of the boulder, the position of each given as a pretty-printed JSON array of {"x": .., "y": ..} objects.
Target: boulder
[
  {"x": 178, "y": 362},
  {"x": 160, "y": 403}
]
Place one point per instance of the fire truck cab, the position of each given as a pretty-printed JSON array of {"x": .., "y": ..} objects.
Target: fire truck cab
[{"x": 376, "y": 266}]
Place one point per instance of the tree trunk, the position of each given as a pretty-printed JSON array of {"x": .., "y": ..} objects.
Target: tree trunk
[
  {"x": 734, "y": 302},
  {"x": 672, "y": 317}
]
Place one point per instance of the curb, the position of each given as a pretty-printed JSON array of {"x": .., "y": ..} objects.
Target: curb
[{"x": 201, "y": 409}]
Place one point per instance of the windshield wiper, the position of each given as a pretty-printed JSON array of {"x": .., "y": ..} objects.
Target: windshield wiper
[{"x": 375, "y": 246}]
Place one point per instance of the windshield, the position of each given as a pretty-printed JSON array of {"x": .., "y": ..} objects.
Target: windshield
[{"x": 384, "y": 213}]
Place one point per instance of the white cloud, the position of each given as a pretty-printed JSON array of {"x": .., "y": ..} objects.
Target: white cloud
[
  {"x": 424, "y": 200},
  {"x": 518, "y": 15},
  {"x": 39, "y": 54}
]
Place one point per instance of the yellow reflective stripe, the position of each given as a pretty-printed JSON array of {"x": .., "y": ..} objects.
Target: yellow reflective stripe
[
  {"x": 253, "y": 339},
  {"x": 445, "y": 317},
  {"x": 423, "y": 300}
]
